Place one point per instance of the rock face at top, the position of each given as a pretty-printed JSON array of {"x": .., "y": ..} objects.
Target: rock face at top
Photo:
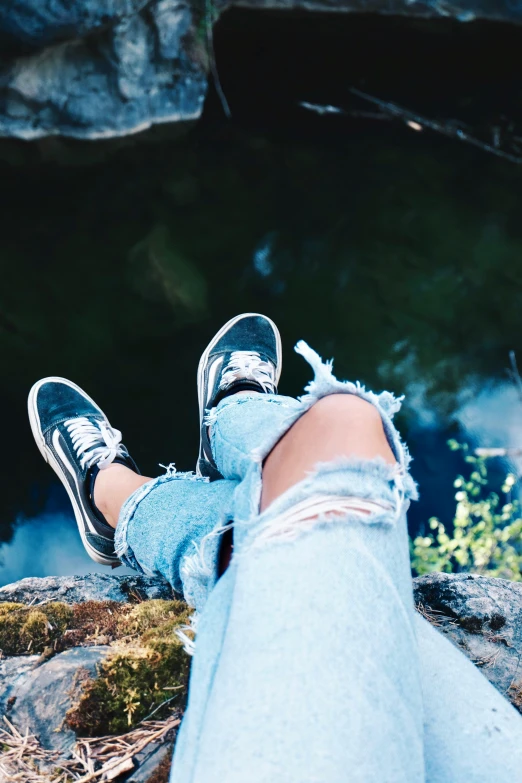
[
  {"x": 49, "y": 20},
  {"x": 94, "y": 69}
]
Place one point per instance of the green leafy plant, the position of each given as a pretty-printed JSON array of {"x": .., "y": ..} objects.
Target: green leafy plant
[{"x": 487, "y": 528}]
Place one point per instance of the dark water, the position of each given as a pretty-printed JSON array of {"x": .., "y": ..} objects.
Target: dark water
[{"x": 397, "y": 253}]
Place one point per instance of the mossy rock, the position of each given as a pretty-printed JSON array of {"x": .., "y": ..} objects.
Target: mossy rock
[
  {"x": 56, "y": 626},
  {"x": 25, "y": 629},
  {"x": 147, "y": 668},
  {"x": 153, "y": 616}
]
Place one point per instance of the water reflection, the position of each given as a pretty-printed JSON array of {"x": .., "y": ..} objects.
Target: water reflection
[
  {"x": 398, "y": 256},
  {"x": 493, "y": 417},
  {"x": 47, "y": 545}
]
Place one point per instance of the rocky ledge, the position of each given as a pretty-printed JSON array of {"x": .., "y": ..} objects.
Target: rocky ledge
[
  {"x": 93, "y": 670},
  {"x": 481, "y": 616},
  {"x": 95, "y": 69},
  {"x": 86, "y": 657},
  {"x": 77, "y": 589}
]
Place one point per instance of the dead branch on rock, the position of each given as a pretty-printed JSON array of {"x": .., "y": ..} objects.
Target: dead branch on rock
[
  {"x": 514, "y": 373},
  {"x": 23, "y": 760},
  {"x": 450, "y": 128},
  {"x": 209, "y": 25},
  {"x": 435, "y": 616}
]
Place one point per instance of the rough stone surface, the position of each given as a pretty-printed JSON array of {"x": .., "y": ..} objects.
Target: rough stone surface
[
  {"x": 36, "y": 691},
  {"x": 35, "y": 695},
  {"x": 94, "y": 587},
  {"x": 148, "y": 762},
  {"x": 90, "y": 70},
  {"x": 12, "y": 671},
  {"x": 97, "y": 70},
  {"x": 55, "y": 683},
  {"x": 483, "y": 617},
  {"x": 50, "y": 20}
]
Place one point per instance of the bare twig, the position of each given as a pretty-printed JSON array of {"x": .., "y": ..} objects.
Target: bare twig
[
  {"x": 452, "y": 131},
  {"x": 389, "y": 110},
  {"x": 434, "y": 616},
  {"x": 320, "y": 109},
  {"x": 23, "y": 760},
  {"x": 163, "y": 703},
  {"x": 487, "y": 660},
  {"x": 497, "y": 452},
  {"x": 514, "y": 373},
  {"x": 212, "y": 59}
]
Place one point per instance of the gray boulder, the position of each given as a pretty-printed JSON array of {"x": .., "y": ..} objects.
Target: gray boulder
[
  {"x": 12, "y": 672},
  {"x": 36, "y": 696},
  {"x": 100, "y": 69},
  {"x": 37, "y": 23},
  {"x": 93, "y": 69},
  {"x": 94, "y": 587},
  {"x": 148, "y": 762},
  {"x": 483, "y": 617},
  {"x": 37, "y": 691}
]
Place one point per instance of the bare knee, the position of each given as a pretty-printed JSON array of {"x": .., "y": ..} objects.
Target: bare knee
[
  {"x": 340, "y": 425},
  {"x": 345, "y": 410}
]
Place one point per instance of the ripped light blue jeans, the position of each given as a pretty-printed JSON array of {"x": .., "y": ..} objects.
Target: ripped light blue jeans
[{"x": 310, "y": 663}]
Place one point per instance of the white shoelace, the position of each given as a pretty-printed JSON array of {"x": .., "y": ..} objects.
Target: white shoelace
[
  {"x": 95, "y": 443},
  {"x": 248, "y": 366}
]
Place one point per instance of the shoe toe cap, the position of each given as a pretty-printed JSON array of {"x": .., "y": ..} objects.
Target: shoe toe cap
[
  {"x": 252, "y": 332},
  {"x": 57, "y": 400}
]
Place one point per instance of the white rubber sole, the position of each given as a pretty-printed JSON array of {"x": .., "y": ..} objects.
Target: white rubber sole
[
  {"x": 48, "y": 456},
  {"x": 206, "y": 353}
]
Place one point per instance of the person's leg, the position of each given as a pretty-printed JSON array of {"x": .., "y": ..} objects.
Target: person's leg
[
  {"x": 337, "y": 426},
  {"x": 112, "y": 488},
  {"x": 171, "y": 526},
  {"x": 468, "y": 727},
  {"x": 314, "y": 671},
  {"x": 472, "y": 734},
  {"x": 166, "y": 524},
  {"x": 298, "y": 642}
]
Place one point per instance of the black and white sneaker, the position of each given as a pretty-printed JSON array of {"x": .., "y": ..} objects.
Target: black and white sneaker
[
  {"x": 244, "y": 355},
  {"x": 76, "y": 439}
]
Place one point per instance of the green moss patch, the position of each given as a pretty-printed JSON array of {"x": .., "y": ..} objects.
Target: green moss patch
[
  {"x": 27, "y": 630},
  {"x": 147, "y": 667},
  {"x": 55, "y": 626}
]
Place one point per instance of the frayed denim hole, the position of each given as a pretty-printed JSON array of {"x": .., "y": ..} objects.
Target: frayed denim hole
[
  {"x": 325, "y": 379},
  {"x": 199, "y": 569},
  {"x": 284, "y": 528},
  {"x": 325, "y": 383},
  {"x": 189, "y": 642},
  {"x": 370, "y": 480},
  {"x": 241, "y": 399}
]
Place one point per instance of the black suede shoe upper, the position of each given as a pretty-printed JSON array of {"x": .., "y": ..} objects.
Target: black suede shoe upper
[
  {"x": 76, "y": 439},
  {"x": 244, "y": 355}
]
